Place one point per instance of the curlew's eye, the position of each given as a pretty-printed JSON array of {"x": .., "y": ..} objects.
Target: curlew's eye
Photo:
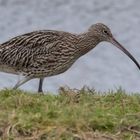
[{"x": 105, "y": 31}]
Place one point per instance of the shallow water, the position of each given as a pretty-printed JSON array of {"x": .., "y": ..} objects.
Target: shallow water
[{"x": 103, "y": 68}]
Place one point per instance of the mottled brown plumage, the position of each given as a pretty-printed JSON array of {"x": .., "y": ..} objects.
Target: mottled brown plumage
[{"x": 46, "y": 53}]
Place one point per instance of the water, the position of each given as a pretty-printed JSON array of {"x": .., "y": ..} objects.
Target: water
[{"x": 105, "y": 67}]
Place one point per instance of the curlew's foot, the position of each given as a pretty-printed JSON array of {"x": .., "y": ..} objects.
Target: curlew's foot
[{"x": 40, "y": 91}]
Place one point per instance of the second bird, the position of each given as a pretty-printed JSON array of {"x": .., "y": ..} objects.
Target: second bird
[{"x": 45, "y": 53}]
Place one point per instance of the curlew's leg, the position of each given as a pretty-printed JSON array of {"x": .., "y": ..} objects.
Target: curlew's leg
[
  {"x": 40, "y": 85},
  {"x": 21, "y": 82}
]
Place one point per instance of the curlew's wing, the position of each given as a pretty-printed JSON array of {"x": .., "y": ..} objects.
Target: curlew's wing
[
  {"x": 20, "y": 51},
  {"x": 33, "y": 49}
]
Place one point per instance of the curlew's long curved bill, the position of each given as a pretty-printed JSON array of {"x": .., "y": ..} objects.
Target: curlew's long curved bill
[{"x": 118, "y": 45}]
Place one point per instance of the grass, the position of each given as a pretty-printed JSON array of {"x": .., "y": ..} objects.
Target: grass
[{"x": 71, "y": 115}]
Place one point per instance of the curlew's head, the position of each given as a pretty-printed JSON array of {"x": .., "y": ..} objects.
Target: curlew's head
[{"x": 104, "y": 34}]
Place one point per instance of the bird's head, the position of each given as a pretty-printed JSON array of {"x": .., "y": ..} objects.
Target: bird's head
[
  {"x": 104, "y": 34},
  {"x": 101, "y": 31}
]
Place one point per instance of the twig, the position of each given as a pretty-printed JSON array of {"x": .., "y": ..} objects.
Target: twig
[{"x": 134, "y": 131}]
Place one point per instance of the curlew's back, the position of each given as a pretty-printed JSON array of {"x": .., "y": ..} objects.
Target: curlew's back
[{"x": 39, "y": 53}]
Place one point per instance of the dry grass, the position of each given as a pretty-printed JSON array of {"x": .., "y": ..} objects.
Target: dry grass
[{"x": 71, "y": 115}]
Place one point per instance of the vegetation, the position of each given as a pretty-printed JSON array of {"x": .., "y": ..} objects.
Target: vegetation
[{"x": 71, "y": 115}]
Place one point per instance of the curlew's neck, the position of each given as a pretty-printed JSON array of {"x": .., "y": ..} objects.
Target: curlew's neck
[{"x": 87, "y": 41}]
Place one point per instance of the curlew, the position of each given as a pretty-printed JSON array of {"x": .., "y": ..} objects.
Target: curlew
[{"x": 45, "y": 53}]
